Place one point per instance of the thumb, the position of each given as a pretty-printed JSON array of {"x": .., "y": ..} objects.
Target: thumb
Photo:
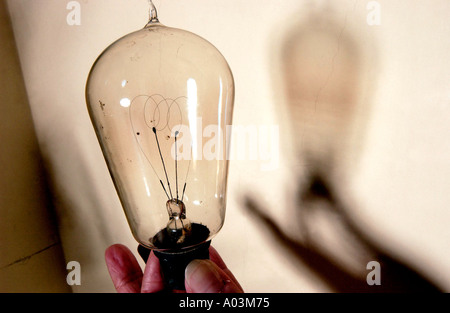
[{"x": 204, "y": 276}]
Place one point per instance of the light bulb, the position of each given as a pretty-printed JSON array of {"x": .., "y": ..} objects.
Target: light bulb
[{"x": 160, "y": 100}]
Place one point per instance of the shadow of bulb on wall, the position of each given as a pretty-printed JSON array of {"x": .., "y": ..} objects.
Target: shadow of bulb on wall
[
  {"x": 149, "y": 95},
  {"x": 322, "y": 78},
  {"x": 325, "y": 70}
]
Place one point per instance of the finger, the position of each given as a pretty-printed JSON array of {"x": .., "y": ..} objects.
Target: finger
[
  {"x": 123, "y": 268},
  {"x": 216, "y": 258},
  {"x": 205, "y": 276},
  {"x": 152, "y": 280}
]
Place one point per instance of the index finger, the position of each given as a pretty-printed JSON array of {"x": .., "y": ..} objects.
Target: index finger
[{"x": 123, "y": 268}]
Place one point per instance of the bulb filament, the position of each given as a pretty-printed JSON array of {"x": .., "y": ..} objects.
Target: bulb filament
[
  {"x": 164, "y": 165},
  {"x": 184, "y": 188},
  {"x": 176, "y": 163},
  {"x": 165, "y": 171},
  {"x": 178, "y": 226}
]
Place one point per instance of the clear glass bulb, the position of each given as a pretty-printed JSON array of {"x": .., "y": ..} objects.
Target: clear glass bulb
[{"x": 160, "y": 99}]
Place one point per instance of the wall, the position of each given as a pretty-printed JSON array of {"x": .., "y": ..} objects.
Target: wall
[{"x": 31, "y": 256}]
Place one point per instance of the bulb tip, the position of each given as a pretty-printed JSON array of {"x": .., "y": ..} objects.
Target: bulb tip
[
  {"x": 154, "y": 129},
  {"x": 153, "y": 14}
]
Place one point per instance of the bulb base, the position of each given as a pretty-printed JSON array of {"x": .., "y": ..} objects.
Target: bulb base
[{"x": 174, "y": 263}]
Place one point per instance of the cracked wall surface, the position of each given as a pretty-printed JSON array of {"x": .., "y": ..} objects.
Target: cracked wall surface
[{"x": 31, "y": 258}]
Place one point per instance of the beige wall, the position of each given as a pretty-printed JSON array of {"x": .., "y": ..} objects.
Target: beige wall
[
  {"x": 31, "y": 258},
  {"x": 396, "y": 171}
]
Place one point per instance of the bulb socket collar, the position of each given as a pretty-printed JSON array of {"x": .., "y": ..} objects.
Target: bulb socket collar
[{"x": 174, "y": 263}]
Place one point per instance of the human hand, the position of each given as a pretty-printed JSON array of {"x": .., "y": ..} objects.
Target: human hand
[{"x": 201, "y": 276}]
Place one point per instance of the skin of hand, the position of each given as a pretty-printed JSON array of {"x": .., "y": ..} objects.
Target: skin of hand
[{"x": 201, "y": 276}]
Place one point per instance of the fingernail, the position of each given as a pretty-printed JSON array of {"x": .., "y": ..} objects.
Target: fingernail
[{"x": 202, "y": 276}]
